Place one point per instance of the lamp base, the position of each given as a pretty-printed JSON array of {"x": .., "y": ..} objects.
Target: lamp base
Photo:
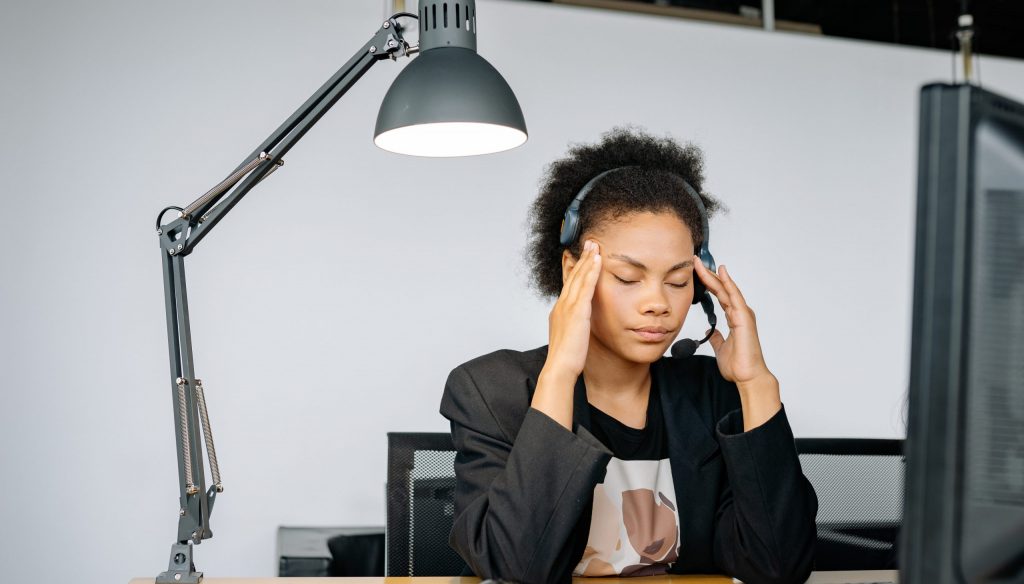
[{"x": 180, "y": 570}]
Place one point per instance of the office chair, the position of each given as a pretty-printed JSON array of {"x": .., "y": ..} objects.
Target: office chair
[
  {"x": 859, "y": 483},
  {"x": 421, "y": 505}
]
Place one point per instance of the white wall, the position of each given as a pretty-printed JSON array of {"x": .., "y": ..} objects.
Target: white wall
[{"x": 330, "y": 306}]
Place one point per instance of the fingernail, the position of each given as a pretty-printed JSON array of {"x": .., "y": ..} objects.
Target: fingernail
[{"x": 588, "y": 245}]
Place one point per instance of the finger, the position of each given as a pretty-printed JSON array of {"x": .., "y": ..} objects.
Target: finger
[
  {"x": 589, "y": 282},
  {"x": 730, "y": 285},
  {"x": 716, "y": 340},
  {"x": 586, "y": 280},
  {"x": 573, "y": 273},
  {"x": 712, "y": 283}
]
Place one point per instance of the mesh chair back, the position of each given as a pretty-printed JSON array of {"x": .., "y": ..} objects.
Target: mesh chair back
[
  {"x": 859, "y": 483},
  {"x": 421, "y": 505}
]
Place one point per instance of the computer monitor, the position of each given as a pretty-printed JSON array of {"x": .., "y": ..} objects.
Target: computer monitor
[{"x": 964, "y": 495}]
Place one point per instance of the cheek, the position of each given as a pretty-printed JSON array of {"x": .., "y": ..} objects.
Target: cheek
[
  {"x": 681, "y": 304},
  {"x": 684, "y": 300},
  {"x": 610, "y": 301},
  {"x": 601, "y": 299},
  {"x": 604, "y": 293}
]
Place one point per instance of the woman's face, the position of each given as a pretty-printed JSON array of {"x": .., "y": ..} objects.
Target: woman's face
[{"x": 646, "y": 282}]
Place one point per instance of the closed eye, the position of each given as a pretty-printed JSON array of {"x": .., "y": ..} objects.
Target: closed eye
[{"x": 627, "y": 282}]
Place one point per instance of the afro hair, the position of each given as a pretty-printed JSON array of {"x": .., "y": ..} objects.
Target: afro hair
[{"x": 652, "y": 185}]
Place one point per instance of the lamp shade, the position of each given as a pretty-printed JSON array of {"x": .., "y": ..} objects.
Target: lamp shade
[{"x": 449, "y": 101}]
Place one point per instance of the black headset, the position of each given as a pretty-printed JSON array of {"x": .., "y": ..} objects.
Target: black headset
[{"x": 571, "y": 231}]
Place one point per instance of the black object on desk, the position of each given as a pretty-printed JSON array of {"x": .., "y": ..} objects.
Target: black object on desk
[
  {"x": 330, "y": 551},
  {"x": 965, "y": 449}
]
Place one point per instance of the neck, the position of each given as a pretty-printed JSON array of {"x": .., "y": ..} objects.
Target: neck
[{"x": 608, "y": 376}]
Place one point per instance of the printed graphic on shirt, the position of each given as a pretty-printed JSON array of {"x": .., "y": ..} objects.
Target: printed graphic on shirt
[{"x": 634, "y": 527}]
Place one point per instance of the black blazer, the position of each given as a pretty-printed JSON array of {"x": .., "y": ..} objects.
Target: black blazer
[{"x": 526, "y": 484}]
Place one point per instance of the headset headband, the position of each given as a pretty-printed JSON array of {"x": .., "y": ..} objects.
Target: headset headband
[{"x": 571, "y": 221}]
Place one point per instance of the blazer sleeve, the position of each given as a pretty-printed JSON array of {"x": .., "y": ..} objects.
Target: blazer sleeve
[
  {"x": 518, "y": 498},
  {"x": 765, "y": 523}
]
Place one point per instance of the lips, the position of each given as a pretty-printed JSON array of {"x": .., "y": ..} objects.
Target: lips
[{"x": 652, "y": 333}]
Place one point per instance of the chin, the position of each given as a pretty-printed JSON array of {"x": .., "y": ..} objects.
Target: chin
[{"x": 644, "y": 352}]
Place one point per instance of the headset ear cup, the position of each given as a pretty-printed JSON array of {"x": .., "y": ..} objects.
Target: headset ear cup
[
  {"x": 570, "y": 227},
  {"x": 699, "y": 290}
]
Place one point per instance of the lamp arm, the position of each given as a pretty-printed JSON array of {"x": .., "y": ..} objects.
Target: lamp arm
[
  {"x": 200, "y": 216},
  {"x": 177, "y": 239}
]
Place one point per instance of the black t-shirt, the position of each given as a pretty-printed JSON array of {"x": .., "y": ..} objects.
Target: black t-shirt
[
  {"x": 626, "y": 443},
  {"x": 634, "y": 521}
]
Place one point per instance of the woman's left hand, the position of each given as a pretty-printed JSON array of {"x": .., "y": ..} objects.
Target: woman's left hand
[{"x": 739, "y": 355}]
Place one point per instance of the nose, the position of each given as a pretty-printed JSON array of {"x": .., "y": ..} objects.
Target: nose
[{"x": 655, "y": 301}]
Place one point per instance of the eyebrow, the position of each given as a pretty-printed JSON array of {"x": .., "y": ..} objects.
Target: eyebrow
[{"x": 637, "y": 263}]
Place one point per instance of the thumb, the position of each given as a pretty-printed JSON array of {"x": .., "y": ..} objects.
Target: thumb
[{"x": 716, "y": 340}]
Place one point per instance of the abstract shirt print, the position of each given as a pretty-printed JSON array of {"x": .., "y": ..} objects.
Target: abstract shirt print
[{"x": 634, "y": 528}]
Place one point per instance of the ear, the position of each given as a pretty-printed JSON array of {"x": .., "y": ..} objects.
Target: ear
[{"x": 568, "y": 262}]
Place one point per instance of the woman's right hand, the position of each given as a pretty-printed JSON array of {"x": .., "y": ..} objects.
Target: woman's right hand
[{"x": 569, "y": 321}]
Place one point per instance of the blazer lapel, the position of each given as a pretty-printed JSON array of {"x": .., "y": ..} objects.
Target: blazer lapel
[{"x": 690, "y": 443}]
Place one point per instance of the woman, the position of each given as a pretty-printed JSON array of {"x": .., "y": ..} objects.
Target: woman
[{"x": 596, "y": 455}]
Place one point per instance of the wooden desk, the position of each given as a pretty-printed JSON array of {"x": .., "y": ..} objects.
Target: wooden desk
[{"x": 865, "y": 577}]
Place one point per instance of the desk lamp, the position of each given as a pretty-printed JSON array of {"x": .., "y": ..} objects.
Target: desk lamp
[{"x": 448, "y": 101}]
